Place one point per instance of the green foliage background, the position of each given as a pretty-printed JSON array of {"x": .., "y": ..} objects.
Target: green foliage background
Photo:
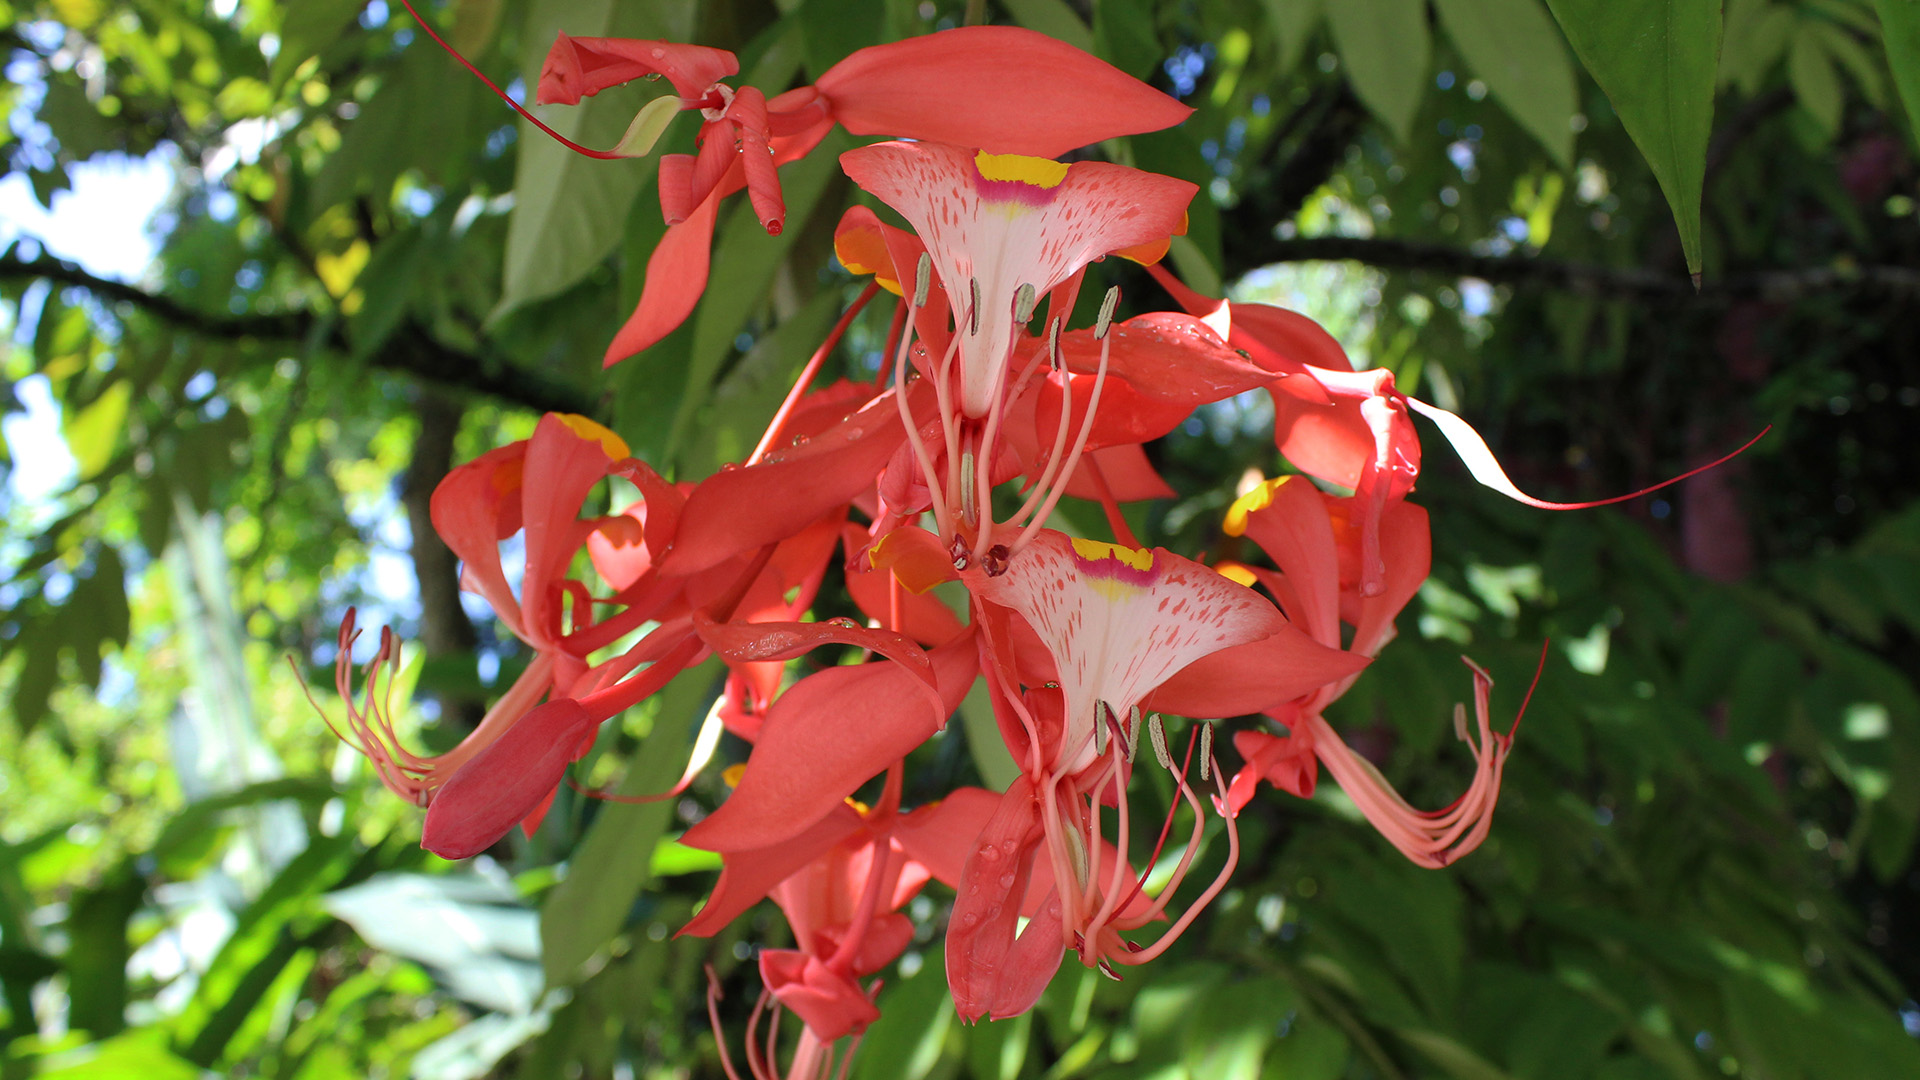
[{"x": 1704, "y": 861}]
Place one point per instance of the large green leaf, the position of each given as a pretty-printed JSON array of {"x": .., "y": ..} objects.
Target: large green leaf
[
  {"x": 1900, "y": 34},
  {"x": 1513, "y": 47},
  {"x": 1385, "y": 48},
  {"x": 1657, "y": 61},
  {"x": 567, "y": 208},
  {"x": 606, "y": 871}
]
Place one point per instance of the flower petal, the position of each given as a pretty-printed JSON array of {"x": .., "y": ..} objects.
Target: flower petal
[
  {"x": 823, "y": 738},
  {"x": 503, "y": 783},
  {"x": 676, "y": 276},
  {"x": 580, "y": 67},
  {"x": 999, "y": 88},
  {"x": 996, "y": 224}
]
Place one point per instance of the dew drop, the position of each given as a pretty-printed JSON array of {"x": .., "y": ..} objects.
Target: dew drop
[
  {"x": 969, "y": 919},
  {"x": 1006, "y": 881},
  {"x": 854, "y": 433},
  {"x": 800, "y": 440},
  {"x": 989, "y": 853}
]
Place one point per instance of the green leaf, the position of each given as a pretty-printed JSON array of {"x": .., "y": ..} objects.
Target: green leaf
[
  {"x": 1053, "y": 18},
  {"x": 1452, "y": 1057},
  {"x": 1292, "y": 22},
  {"x": 1900, "y": 35},
  {"x": 607, "y": 870},
  {"x": 1386, "y": 50},
  {"x": 93, "y": 433},
  {"x": 1126, "y": 37},
  {"x": 567, "y": 208},
  {"x": 906, "y": 1042},
  {"x": 98, "y": 951},
  {"x": 1513, "y": 47},
  {"x": 1227, "y": 1035},
  {"x": 1313, "y": 1048},
  {"x": 136, "y": 1053},
  {"x": 1757, "y": 33},
  {"x": 831, "y": 30},
  {"x": 1815, "y": 83},
  {"x": 1657, "y": 61},
  {"x": 308, "y": 27}
]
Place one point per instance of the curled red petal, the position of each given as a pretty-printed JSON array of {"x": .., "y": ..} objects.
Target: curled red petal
[
  {"x": 676, "y": 276},
  {"x": 581, "y": 67}
]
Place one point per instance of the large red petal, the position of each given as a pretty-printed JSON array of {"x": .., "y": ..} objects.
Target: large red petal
[
  {"x": 828, "y": 734},
  {"x": 1253, "y": 677},
  {"x": 999, "y": 88},
  {"x": 505, "y": 782},
  {"x": 746, "y": 877},
  {"x": 737, "y": 510}
]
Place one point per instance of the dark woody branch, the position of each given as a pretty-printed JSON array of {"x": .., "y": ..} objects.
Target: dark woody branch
[
  {"x": 409, "y": 350},
  {"x": 1586, "y": 279}
]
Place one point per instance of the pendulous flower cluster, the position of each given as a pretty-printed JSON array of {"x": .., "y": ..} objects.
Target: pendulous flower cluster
[{"x": 946, "y": 468}]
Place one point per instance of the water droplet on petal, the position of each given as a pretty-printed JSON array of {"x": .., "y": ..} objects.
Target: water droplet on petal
[
  {"x": 800, "y": 440},
  {"x": 969, "y": 919},
  {"x": 1006, "y": 881}
]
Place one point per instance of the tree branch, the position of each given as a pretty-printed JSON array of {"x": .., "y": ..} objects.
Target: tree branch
[
  {"x": 410, "y": 349},
  {"x": 1588, "y": 279}
]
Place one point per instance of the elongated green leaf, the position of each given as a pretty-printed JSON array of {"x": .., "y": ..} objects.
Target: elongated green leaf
[
  {"x": 1513, "y": 47},
  {"x": 1054, "y": 18},
  {"x": 1292, "y": 22},
  {"x": 97, "y": 955},
  {"x": 94, "y": 432},
  {"x": 568, "y": 209},
  {"x": 1657, "y": 61},
  {"x": 1815, "y": 83},
  {"x": 1900, "y": 36},
  {"x": 606, "y": 871},
  {"x": 1385, "y": 48}
]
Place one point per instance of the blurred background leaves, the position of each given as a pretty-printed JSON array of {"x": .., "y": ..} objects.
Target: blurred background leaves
[{"x": 223, "y": 432}]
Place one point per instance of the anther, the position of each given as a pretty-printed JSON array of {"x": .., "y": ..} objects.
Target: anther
[
  {"x": 1053, "y": 343},
  {"x": 994, "y": 562},
  {"x": 922, "y": 280},
  {"x": 1105, "y": 322},
  {"x": 1158, "y": 733},
  {"x": 973, "y": 313},
  {"x": 1206, "y": 751},
  {"x": 969, "y": 494},
  {"x": 1023, "y": 303},
  {"x": 1133, "y": 732},
  {"x": 1102, "y": 716},
  {"x": 959, "y": 552}
]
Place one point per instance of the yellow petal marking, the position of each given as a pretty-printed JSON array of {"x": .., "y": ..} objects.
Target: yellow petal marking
[
  {"x": 1258, "y": 499},
  {"x": 1136, "y": 558},
  {"x": 614, "y": 445},
  {"x": 1040, "y": 172}
]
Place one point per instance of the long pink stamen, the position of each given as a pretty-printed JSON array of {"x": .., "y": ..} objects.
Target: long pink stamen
[
  {"x": 1042, "y": 485},
  {"x": 935, "y": 495},
  {"x": 1073, "y": 456},
  {"x": 719, "y": 1033}
]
